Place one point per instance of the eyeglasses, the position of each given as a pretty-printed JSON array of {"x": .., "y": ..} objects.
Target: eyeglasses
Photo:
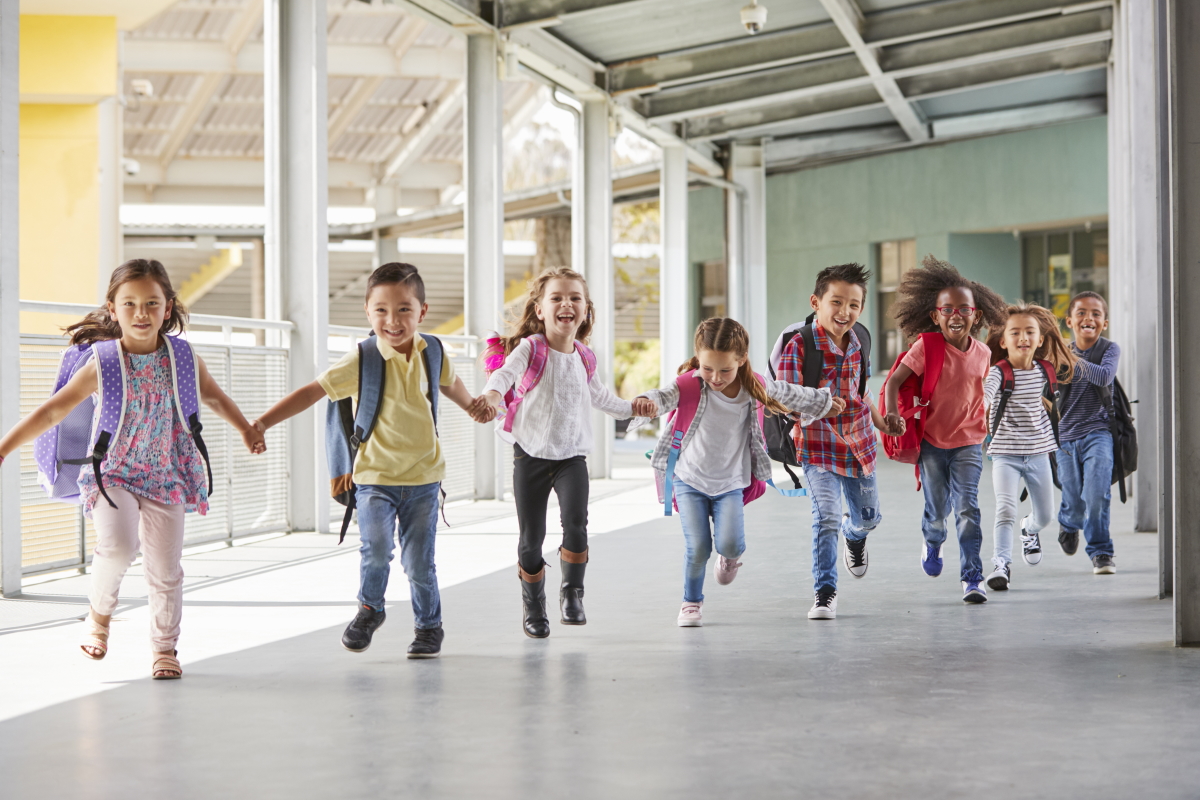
[{"x": 950, "y": 311}]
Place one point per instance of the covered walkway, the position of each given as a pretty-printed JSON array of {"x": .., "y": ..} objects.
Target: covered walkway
[{"x": 1068, "y": 686}]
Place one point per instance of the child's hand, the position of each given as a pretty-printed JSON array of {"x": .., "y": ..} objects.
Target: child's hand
[
  {"x": 895, "y": 425},
  {"x": 836, "y": 407},
  {"x": 253, "y": 438},
  {"x": 644, "y": 407},
  {"x": 481, "y": 410}
]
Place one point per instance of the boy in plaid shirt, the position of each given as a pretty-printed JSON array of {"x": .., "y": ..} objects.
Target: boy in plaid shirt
[{"x": 838, "y": 453}]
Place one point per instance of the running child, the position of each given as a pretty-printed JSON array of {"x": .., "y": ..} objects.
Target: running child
[
  {"x": 153, "y": 472},
  {"x": 944, "y": 311},
  {"x": 551, "y": 372},
  {"x": 722, "y": 452},
  {"x": 399, "y": 469},
  {"x": 838, "y": 453},
  {"x": 1085, "y": 460},
  {"x": 1031, "y": 357}
]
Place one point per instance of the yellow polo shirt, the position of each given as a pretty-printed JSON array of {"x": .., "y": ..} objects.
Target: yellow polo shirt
[{"x": 403, "y": 449}]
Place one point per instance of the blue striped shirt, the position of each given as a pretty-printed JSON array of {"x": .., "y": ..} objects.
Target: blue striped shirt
[{"x": 1083, "y": 412}]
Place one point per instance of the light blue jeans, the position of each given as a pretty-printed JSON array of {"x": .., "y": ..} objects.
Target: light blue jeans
[
  {"x": 826, "y": 490},
  {"x": 728, "y": 532},
  {"x": 407, "y": 513},
  {"x": 1085, "y": 471},
  {"x": 950, "y": 481},
  {"x": 1007, "y": 473}
]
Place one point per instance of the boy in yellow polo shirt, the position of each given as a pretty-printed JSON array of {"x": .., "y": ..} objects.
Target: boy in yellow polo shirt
[{"x": 399, "y": 469}]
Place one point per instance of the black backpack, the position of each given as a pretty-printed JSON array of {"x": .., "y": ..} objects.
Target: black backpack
[
  {"x": 777, "y": 428},
  {"x": 1120, "y": 421}
]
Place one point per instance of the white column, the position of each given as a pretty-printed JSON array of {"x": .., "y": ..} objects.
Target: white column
[
  {"x": 747, "y": 168},
  {"x": 673, "y": 304},
  {"x": 1122, "y": 272},
  {"x": 386, "y": 200},
  {"x": 10, "y": 327},
  {"x": 484, "y": 223},
  {"x": 597, "y": 264},
  {"x": 112, "y": 184},
  {"x": 297, "y": 235}
]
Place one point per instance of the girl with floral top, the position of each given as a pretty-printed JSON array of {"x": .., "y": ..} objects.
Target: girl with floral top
[{"x": 153, "y": 472}]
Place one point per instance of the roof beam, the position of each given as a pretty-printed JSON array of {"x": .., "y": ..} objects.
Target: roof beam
[
  {"x": 518, "y": 13},
  {"x": 364, "y": 89},
  {"x": 800, "y": 148},
  {"x": 848, "y": 18},
  {"x": 1012, "y": 118},
  {"x": 558, "y": 62},
  {"x": 412, "y": 149}
]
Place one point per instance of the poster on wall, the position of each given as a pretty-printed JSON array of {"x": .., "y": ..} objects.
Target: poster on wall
[{"x": 1060, "y": 274}]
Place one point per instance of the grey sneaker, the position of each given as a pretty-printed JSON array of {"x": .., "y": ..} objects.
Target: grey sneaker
[
  {"x": 1069, "y": 542},
  {"x": 1103, "y": 564}
]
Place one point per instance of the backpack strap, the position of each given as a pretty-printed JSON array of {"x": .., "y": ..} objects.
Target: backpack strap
[
  {"x": 1007, "y": 383},
  {"x": 814, "y": 359},
  {"x": 185, "y": 382},
  {"x": 1050, "y": 392},
  {"x": 112, "y": 381},
  {"x": 681, "y": 418},
  {"x": 371, "y": 372},
  {"x": 864, "y": 356},
  {"x": 935, "y": 359},
  {"x": 589, "y": 359},
  {"x": 539, "y": 354},
  {"x": 433, "y": 356}
]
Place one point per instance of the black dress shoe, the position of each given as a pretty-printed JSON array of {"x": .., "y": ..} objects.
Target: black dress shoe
[
  {"x": 358, "y": 634},
  {"x": 533, "y": 597},
  {"x": 428, "y": 643}
]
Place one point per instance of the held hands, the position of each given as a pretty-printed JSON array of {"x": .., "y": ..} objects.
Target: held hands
[
  {"x": 483, "y": 408},
  {"x": 253, "y": 437},
  {"x": 893, "y": 424},
  {"x": 644, "y": 407}
]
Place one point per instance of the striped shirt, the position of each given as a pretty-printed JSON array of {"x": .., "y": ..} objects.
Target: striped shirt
[
  {"x": 1082, "y": 411},
  {"x": 1025, "y": 429}
]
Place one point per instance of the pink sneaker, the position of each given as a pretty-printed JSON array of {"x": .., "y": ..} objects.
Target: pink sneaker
[
  {"x": 726, "y": 570},
  {"x": 689, "y": 616}
]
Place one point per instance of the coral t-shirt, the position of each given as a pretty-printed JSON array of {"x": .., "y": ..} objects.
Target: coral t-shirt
[{"x": 955, "y": 416}]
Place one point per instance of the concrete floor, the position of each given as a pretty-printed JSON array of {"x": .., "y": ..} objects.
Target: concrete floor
[{"x": 1067, "y": 686}]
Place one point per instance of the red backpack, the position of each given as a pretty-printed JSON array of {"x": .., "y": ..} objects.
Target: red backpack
[{"x": 912, "y": 399}]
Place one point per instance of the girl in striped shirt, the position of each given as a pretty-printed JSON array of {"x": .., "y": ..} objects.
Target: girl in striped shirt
[{"x": 1023, "y": 431}]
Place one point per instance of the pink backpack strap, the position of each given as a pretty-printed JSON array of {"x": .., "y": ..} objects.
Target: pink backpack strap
[
  {"x": 589, "y": 359},
  {"x": 539, "y": 352},
  {"x": 680, "y": 420}
]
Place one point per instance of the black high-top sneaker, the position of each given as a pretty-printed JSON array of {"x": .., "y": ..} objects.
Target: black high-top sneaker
[{"x": 358, "y": 634}]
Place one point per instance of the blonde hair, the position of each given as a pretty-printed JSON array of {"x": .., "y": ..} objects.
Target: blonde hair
[
  {"x": 724, "y": 335},
  {"x": 1054, "y": 347},
  {"x": 528, "y": 323}
]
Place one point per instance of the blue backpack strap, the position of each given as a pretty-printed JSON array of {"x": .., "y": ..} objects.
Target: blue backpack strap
[
  {"x": 185, "y": 380},
  {"x": 370, "y": 391},
  {"x": 111, "y": 381},
  {"x": 434, "y": 355}
]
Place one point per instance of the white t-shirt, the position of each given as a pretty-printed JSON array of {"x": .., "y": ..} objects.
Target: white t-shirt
[
  {"x": 1025, "y": 429},
  {"x": 717, "y": 459}
]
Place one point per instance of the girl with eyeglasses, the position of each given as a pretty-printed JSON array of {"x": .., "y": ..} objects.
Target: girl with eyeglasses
[{"x": 935, "y": 300}]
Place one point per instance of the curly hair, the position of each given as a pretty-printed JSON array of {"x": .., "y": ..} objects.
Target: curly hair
[
  {"x": 723, "y": 335},
  {"x": 919, "y": 292},
  {"x": 1054, "y": 347},
  {"x": 528, "y": 323}
]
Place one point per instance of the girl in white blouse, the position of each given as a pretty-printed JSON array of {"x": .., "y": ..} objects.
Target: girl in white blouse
[{"x": 549, "y": 424}]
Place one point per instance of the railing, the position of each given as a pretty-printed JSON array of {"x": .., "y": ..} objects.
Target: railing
[{"x": 250, "y": 492}]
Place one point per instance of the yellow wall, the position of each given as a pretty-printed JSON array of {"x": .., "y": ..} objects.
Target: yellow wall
[{"x": 68, "y": 64}]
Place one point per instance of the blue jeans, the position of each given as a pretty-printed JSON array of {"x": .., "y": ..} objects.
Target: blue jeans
[
  {"x": 1007, "y": 473},
  {"x": 415, "y": 509},
  {"x": 728, "y": 531},
  {"x": 862, "y": 501},
  {"x": 950, "y": 481},
  {"x": 1085, "y": 472}
]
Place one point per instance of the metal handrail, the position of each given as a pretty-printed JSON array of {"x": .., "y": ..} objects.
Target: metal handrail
[
  {"x": 214, "y": 320},
  {"x": 364, "y": 332}
]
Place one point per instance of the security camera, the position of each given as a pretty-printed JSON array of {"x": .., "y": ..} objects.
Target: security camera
[
  {"x": 131, "y": 166},
  {"x": 754, "y": 17}
]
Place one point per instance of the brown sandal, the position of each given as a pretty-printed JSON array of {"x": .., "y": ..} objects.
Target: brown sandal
[
  {"x": 168, "y": 665},
  {"x": 96, "y": 638}
]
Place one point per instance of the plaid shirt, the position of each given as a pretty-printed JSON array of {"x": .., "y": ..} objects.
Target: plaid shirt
[{"x": 845, "y": 444}]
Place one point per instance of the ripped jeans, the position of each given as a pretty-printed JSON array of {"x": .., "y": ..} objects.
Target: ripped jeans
[{"x": 826, "y": 490}]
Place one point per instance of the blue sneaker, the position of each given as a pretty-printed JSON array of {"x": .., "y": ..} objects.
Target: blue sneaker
[
  {"x": 973, "y": 592},
  {"x": 931, "y": 560}
]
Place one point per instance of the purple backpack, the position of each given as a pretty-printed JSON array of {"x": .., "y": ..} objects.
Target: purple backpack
[{"x": 83, "y": 437}]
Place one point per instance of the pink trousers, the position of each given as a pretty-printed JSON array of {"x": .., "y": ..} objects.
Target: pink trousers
[{"x": 158, "y": 528}]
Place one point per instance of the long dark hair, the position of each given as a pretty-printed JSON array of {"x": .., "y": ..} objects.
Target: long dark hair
[
  {"x": 724, "y": 335},
  {"x": 100, "y": 325}
]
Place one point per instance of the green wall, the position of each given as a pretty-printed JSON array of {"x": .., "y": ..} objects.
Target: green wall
[{"x": 944, "y": 196}]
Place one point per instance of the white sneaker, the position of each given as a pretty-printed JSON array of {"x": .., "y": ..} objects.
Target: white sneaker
[
  {"x": 1000, "y": 578},
  {"x": 824, "y": 605},
  {"x": 689, "y": 616},
  {"x": 1031, "y": 545},
  {"x": 726, "y": 569}
]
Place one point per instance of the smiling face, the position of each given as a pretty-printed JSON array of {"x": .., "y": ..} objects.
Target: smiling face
[
  {"x": 956, "y": 328},
  {"x": 720, "y": 370},
  {"x": 1022, "y": 337},
  {"x": 1087, "y": 320},
  {"x": 562, "y": 307},
  {"x": 839, "y": 308},
  {"x": 395, "y": 311},
  {"x": 140, "y": 307}
]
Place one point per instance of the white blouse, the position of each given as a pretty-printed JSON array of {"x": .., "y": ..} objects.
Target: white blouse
[{"x": 554, "y": 420}]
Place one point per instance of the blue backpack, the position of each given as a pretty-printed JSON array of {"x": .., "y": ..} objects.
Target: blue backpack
[
  {"x": 347, "y": 428},
  {"x": 83, "y": 437}
]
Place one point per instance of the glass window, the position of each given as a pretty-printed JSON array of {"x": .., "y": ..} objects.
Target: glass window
[
  {"x": 895, "y": 259},
  {"x": 1057, "y": 265}
]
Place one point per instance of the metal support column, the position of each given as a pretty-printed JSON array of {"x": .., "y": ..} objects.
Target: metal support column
[
  {"x": 386, "y": 200},
  {"x": 297, "y": 233},
  {"x": 597, "y": 264},
  {"x": 747, "y": 167},
  {"x": 1183, "y": 60},
  {"x": 10, "y": 326},
  {"x": 673, "y": 302},
  {"x": 484, "y": 222}
]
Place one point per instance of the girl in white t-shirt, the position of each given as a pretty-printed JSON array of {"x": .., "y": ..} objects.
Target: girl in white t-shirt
[
  {"x": 1023, "y": 432},
  {"x": 722, "y": 450}
]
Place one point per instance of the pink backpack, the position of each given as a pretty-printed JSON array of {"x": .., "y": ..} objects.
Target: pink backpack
[
  {"x": 539, "y": 353},
  {"x": 678, "y": 423}
]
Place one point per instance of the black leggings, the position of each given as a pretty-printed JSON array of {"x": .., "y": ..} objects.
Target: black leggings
[{"x": 533, "y": 478}]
